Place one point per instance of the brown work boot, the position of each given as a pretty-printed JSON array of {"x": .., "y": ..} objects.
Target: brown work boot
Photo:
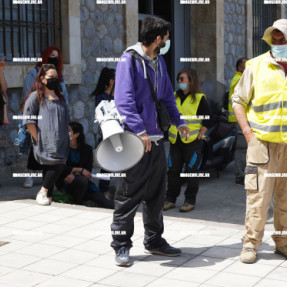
[
  {"x": 168, "y": 205},
  {"x": 248, "y": 255},
  {"x": 282, "y": 250},
  {"x": 186, "y": 207}
]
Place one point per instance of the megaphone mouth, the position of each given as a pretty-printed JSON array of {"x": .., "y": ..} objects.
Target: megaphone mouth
[{"x": 119, "y": 152}]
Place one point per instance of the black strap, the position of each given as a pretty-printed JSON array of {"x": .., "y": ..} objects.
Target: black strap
[{"x": 136, "y": 56}]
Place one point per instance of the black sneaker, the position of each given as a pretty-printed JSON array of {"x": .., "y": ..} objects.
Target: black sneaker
[
  {"x": 123, "y": 257},
  {"x": 166, "y": 250}
]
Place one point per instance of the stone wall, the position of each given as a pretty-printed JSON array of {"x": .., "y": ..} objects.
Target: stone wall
[
  {"x": 102, "y": 35},
  {"x": 235, "y": 28},
  {"x": 102, "y": 30}
]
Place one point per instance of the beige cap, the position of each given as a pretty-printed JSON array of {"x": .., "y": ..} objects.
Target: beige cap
[{"x": 280, "y": 25}]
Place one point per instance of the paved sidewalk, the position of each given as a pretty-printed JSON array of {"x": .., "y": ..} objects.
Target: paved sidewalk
[{"x": 65, "y": 245}]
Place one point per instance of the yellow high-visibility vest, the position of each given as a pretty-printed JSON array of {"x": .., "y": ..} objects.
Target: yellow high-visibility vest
[
  {"x": 188, "y": 109},
  {"x": 234, "y": 82},
  {"x": 267, "y": 110}
]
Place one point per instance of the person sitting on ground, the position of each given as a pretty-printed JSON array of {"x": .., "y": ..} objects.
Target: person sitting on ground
[{"x": 75, "y": 178}]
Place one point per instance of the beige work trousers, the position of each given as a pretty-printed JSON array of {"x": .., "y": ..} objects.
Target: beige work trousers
[{"x": 265, "y": 162}]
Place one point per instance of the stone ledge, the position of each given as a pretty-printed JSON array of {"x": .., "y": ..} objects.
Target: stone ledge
[{"x": 15, "y": 74}]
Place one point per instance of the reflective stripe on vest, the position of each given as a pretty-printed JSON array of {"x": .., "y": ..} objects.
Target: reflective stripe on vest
[
  {"x": 268, "y": 107},
  {"x": 267, "y": 112},
  {"x": 234, "y": 82},
  {"x": 188, "y": 109}
]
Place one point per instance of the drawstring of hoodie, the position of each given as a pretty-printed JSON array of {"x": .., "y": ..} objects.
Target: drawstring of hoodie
[{"x": 144, "y": 67}]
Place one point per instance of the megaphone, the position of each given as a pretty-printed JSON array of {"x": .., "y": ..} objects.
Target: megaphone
[{"x": 119, "y": 150}]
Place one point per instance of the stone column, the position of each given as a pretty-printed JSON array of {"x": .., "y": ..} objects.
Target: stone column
[{"x": 207, "y": 27}]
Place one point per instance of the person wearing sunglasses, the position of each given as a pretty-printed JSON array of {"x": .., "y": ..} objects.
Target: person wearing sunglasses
[
  {"x": 46, "y": 117},
  {"x": 192, "y": 104}
]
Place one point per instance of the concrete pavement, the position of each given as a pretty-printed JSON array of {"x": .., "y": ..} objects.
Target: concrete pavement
[{"x": 66, "y": 245}]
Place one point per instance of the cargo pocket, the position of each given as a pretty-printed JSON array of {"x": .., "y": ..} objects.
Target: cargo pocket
[
  {"x": 258, "y": 151},
  {"x": 251, "y": 178}
]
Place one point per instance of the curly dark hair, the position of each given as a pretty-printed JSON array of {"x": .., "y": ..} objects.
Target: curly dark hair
[{"x": 151, "y": 28}]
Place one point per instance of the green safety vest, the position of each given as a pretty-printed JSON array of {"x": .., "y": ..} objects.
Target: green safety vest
[{"x": 234, "y": 82}]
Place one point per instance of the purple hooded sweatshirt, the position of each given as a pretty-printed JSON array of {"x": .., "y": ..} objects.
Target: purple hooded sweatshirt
[{"x": 133, "y": 97}]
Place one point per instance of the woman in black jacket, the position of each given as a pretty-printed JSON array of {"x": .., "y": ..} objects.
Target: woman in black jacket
[{"x": 78, "y": 169}]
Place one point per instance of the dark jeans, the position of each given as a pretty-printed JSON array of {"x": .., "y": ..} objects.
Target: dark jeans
[
  {"x": 181, "y": 153},
  {"x": 50, "y": 175},
  {"x": 80, "y": 191},
  {"x": 144, "y": 183}
]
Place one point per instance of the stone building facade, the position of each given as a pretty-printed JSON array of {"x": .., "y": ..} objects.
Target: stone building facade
[
  {"x": 221, "y": 30},
  {"x": 235, "y": 27},
  {"x": 102, "y": 34}
]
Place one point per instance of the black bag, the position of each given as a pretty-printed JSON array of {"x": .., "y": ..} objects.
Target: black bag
[
  {"x": 162, "y": 113},
  {"x": 163, "y": 116}
]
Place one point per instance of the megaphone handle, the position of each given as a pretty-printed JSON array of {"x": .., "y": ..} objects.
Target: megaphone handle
[{"x": 103, "y": 110}]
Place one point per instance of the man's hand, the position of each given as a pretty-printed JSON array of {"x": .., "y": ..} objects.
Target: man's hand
[
  {"x": 248, "y": 135},
  {"x": 242, "y": 121},
  {"x": 185, "y": 130},
  {"x": 202, "y": 131},
  {"x": 146, "y": 140},
  {"x": 69, "y": 178}
]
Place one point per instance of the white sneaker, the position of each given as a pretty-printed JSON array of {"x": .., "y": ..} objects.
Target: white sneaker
[
  {"x": 28, "y": 182},
  {"x": 42, "y": 198}
]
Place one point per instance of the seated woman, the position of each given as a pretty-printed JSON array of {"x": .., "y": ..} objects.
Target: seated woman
[{"x": 75, "y": 178}]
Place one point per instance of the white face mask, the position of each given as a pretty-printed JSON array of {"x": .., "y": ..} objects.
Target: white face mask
[
  {"x": 279, "y": 51},
  {"x": 165, "y": 49}
]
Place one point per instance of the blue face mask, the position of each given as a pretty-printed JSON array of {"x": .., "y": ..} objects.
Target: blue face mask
[
  {"x": 165, "y": 49},
  {"x": 279, "y": 51},
  {"x": 183, "y": 87}
]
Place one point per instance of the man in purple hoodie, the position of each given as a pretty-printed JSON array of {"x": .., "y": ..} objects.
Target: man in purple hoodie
[{"x": 146, "y": 182}]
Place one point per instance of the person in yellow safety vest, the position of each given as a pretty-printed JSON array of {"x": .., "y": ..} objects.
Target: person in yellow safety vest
[
  {"x": 240, "y": 67},
  {"x": 241, "y": 145},
  {"x": 260, "y": 103},
  {"x": 193, "y": 106}
]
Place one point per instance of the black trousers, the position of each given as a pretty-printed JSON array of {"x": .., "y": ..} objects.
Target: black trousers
[
  {"x": 80, "y": 191},
  {"x": 104, "y": 184},
  {"x": 50, "y": 175},
  {"x": 32, "y": 164},
  {"x": 181, "y": 153},
  {"x": 145, "y": 183}
]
